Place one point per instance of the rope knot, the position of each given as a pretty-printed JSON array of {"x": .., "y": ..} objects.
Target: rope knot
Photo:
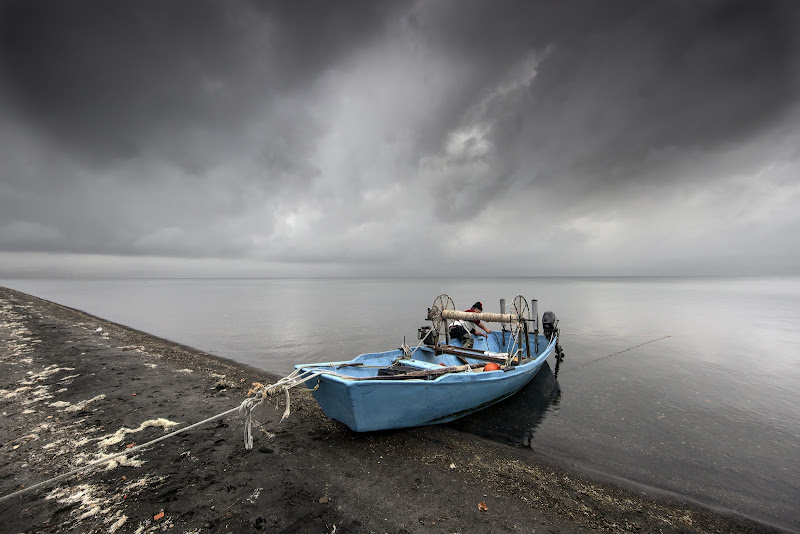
[
  {"x": 274, "y": 389},
  {"x": 260, "y": 392},
  {"x": 246, "y": 411}
]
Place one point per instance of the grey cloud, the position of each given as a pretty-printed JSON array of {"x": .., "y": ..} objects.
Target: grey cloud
[
  {"x": 102, "y": 78},
  {"x": 115, "y": 79},
  {"x": 343, "y": 134},
  {"x": 621, "y": 82}
]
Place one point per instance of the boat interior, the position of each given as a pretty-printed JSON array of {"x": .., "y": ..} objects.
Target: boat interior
[
  {"x": 426, "y": 360},
  {"x": 437, "y": 353}
]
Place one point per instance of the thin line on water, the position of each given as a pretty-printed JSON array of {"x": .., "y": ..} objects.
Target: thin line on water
[
  {"x": 613, "y": 354},
  {"x": 660, "y": 336}
]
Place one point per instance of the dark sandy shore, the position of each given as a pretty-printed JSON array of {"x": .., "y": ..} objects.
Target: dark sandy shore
[{"x": 74, "y": 387}]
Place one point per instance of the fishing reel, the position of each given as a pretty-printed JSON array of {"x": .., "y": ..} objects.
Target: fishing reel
[
  {"x": 520, "y": 309},
  {"x": 440, "y": 304}
]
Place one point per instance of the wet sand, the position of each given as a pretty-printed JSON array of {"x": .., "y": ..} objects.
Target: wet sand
[{"x": 74, "y": 388}]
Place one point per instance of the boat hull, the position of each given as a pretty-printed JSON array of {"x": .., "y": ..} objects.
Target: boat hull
[{"x": 367, "y": 404}]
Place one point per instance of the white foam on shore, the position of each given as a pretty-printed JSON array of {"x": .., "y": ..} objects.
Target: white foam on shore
[
  {"x": 46, "y": 372},
  {"x": 38, "y": 394},
  {"x": 120, "y": 434},
  {"x": 137, "y": 348},
  {"x": 68, "y": 377},
  {"x": 61, "y": 445},
  {"x": 121, "y": 460},
  {"x": 83, "y": 404},
  {"x": 91, "y": 500},
  {"x": 120, "y": 520},
  {"x": 6, "y": 394},
  {"x": 20, "y": 341}
]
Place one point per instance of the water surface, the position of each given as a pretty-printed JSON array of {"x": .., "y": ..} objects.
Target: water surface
[{"x": 689, "y": 385}]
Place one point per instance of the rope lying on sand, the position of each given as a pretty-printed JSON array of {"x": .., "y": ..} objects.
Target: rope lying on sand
[
  {"x": 106, "y": 459},
  {"x": 245, "y": 409}
]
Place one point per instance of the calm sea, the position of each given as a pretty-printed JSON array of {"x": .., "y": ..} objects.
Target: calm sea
[{"x": 709, "y": 412}]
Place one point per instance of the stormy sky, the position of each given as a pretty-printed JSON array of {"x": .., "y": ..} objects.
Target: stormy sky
[{"x": 401, "y": 138}]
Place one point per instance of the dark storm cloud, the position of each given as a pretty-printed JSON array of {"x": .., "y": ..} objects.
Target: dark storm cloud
[
  {"x": 671, "y": 75},
  {"x": 339, "y": 133},
  {"x": 113, "y": 79},
  {"x": 103, "y": 79},
  {"x": 618, "y": 84}
]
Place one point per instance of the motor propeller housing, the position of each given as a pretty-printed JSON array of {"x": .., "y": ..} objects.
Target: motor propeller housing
[{"x": 549, "y": 324}]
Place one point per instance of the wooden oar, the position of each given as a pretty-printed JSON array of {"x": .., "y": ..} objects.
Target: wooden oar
[{"x": 423, "y": 373}]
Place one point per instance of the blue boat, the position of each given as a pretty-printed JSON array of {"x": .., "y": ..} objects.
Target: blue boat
[{"x": 439, "y": 380}]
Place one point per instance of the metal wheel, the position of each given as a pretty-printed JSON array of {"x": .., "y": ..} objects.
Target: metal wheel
[
  {"x": 521, "y": 309},
  {"x": 441, "y": 303}
]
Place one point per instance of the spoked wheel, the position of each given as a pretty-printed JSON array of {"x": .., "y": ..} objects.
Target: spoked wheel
[
  {"x": 520, "y": 309},
  {"x": 441, "y": 303}
]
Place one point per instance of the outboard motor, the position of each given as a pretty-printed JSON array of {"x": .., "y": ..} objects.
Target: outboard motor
[{"x": 549, "y": 325}]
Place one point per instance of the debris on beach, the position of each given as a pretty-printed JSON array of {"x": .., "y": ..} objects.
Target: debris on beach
[
  {"x": 120, "y": 434},
  {"x": 83, "y": 404},
  {"x": 224, "y": 383}
]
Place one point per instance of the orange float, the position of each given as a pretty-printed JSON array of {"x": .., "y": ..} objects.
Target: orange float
[{"x": 491, "y": 367}]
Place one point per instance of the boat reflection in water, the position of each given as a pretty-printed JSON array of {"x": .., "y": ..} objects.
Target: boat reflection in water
[{"x": 515, "y": 419}]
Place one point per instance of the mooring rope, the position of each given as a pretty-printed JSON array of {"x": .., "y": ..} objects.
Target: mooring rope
[
  {"x": 106, "y": 459},
  {"x": 261, "y": 392},
  {"x": 245, "y": 409}
]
